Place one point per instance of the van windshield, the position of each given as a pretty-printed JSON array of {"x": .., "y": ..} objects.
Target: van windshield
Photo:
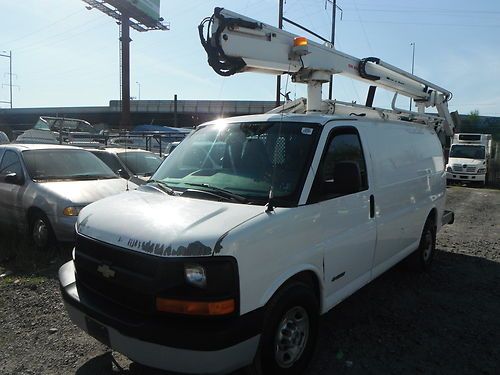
[
  {"x": 467, "y": 152},
  {"x": 245, "y": 159}
]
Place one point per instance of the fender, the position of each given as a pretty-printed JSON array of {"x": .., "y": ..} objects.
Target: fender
[{"x": 284, "y": 277}]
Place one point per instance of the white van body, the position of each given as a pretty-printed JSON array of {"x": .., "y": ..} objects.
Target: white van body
[{"x": 341, "y": 243}]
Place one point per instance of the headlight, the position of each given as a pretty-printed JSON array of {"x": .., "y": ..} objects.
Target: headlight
[
  {"x": 195, "y": 275},
  {"x": 201, "y": 286},
  {"x": 449, "y": 169},
  {"x": 71, "y": 211},
  {"x": 481, "y": 171}
]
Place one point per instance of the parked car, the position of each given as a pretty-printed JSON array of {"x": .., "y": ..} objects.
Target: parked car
[
  {"x": 44, "y": 187},
  {"x": 62, "y": 130},
  {"x": 136, "y": 165},
  {"x": 4, "y": 139}
]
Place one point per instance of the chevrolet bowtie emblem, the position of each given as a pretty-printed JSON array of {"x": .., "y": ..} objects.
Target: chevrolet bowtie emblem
[{"x": 105, "y": 271}]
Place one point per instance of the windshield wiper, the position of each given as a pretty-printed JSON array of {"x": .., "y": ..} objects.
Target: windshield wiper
[
  {"x": 163, "y": 186},
  {"x": 222, "y": 192}
]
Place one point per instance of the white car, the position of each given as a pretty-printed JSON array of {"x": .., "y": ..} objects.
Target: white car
[{"x": 247, "y": 233}]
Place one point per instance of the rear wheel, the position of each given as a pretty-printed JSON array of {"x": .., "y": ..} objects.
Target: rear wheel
[
  {"x": 41, "y": 231},
  {"x": 421, "y": 259},
  {"x": 290, "y": 331}
]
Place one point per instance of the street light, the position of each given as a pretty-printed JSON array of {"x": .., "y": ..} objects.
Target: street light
[
  {"x": 412, "y": 44},
  {"x": 139, "y": 85}
]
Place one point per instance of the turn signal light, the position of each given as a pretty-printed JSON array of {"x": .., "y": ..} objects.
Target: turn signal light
[{"x": 215, "y": 308}]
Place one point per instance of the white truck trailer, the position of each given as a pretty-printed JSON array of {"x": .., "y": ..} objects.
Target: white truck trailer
[
  {"x": 254, "y": 226},
  {"x": 469, "y": 158}
]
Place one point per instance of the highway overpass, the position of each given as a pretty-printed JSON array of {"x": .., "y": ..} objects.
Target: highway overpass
[{"x": 159, "y": 112}]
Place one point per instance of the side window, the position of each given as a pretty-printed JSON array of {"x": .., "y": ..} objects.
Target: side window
[
  {"x": 342, "y": 170},
  {"x": 10, "y": 164}
]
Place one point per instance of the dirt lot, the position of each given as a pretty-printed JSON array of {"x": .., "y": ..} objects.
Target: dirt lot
[{"x": 443, "y": 322}]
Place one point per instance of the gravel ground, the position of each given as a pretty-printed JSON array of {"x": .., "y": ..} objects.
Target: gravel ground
[{"x": 443, "y": 322}]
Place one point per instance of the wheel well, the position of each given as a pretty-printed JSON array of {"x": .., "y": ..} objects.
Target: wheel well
[
  {"x": 309, "y": 278},
  {"x": 432, "y": 216},
  {"x": 32, "y": 211}
]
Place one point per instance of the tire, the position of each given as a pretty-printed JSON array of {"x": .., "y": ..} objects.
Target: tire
[
  {"x": 41, "y": 233},
  {"x": 290, "y": 331},
  {"x": 421, "y": 259}
]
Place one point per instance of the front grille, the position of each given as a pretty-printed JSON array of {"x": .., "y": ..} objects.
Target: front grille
[
  {"x": 471, "y": 169},
  {"x": 457, "y": 168},
  {"x": 124, "y": 277}
]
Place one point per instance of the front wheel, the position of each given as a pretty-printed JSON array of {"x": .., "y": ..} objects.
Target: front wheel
[
  {"x": 41, "y": 231},
  {"x": 290, "y": 331}
]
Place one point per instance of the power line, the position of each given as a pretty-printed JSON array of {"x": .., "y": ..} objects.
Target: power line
[
  {"x": 440, "y": 24},
  {"x": 43, "y": 28}
]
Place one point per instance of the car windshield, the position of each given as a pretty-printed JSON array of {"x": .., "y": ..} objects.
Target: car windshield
[
  {"x": 246, "y": 160},
  {"x": 140, "y": 163},
  {"x": 467, "y": 152},
  {"x": 65, "y": 164}
]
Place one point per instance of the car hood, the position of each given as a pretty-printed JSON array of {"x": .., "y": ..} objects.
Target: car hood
[
  {"x": 164, "y": 225},
  {"x": 462, "y": 161},
  {"x": 83, "y": 192}
]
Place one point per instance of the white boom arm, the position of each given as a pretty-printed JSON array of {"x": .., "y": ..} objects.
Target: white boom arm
[{"x": 235, "y": 43}]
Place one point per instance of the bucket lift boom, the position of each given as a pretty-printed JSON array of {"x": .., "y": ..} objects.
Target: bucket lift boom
[{"x": 235, "y": 43}]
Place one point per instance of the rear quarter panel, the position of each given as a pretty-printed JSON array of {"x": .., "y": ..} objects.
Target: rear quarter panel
[{"x": 409, "y": 181}]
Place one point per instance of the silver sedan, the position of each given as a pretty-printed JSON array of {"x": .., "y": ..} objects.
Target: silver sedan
[{"x": 44, "y": 187}]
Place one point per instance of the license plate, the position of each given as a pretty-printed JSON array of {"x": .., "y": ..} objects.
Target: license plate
[
  {"x": 464, "y": 177},
  {"x": 97, "y": 331}
]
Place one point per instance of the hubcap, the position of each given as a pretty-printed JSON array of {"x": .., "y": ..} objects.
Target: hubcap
[
  {"x": 40, "y": 233},
  {"x": 427, "y": 246},
  {"x": 291, "y": 337}
]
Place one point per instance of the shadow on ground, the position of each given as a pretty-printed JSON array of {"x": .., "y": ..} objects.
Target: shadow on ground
[{"x": 441, "y": 322}]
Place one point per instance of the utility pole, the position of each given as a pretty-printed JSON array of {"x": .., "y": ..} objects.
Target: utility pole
[
  {"x": 412, "y": 62},
  {"x": 278, "y": 78},
  {"x": 125, "y": 58},
  {"x": 9, "y": 56},
  {"x": 332, "y": 40},
  {"x": 139, "y": 86}
]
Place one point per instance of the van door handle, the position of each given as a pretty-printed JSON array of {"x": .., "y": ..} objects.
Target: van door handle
[{"x": 372, "y": 206}]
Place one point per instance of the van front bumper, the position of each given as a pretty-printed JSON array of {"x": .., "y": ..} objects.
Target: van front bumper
[
  {"x": 173, "y": 345},
  {"x": 453, "y": 176}
]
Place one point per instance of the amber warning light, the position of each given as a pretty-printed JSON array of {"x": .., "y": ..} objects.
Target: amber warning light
[
  {"x": 300, "y": 46},
  {"x": 300, "y": 41}
]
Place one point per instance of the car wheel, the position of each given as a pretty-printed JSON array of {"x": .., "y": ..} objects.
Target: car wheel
[
  {"x": 421, "y": 259},
  {"x": 41, "y": 231},
  {"x": 290, "y": 331}
]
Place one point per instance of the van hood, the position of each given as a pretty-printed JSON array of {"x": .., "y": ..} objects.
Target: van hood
[
  {"x": 156, "y": 223},
  {"x": 83, "y": 192}
]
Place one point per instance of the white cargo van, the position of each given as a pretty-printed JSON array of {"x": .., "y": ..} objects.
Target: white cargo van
[{"x": 250, "y": 230}]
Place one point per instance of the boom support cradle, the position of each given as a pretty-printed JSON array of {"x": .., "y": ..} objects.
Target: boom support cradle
[{"x": 235, "y": 43}]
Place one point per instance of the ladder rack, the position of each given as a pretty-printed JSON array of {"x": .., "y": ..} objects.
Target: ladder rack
[{"x": 337, "y": 107}]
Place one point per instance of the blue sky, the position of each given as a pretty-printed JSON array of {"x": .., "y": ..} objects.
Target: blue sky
[{"x": 66, "y": 55}]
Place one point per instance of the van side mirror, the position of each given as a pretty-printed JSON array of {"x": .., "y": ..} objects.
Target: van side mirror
[
  {"x": 14, "y": 178},
  {"x": 346, "y": 179},
  {"x": 123, "y": 173}
]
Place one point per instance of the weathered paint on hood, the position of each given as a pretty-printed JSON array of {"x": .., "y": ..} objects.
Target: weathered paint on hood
[
  {"x": 163, "y": 225},
  {"x": 86, "y": 191}
]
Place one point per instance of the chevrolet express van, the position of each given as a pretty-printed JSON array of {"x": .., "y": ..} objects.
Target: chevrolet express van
[{"x": 250, "y": 230}]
